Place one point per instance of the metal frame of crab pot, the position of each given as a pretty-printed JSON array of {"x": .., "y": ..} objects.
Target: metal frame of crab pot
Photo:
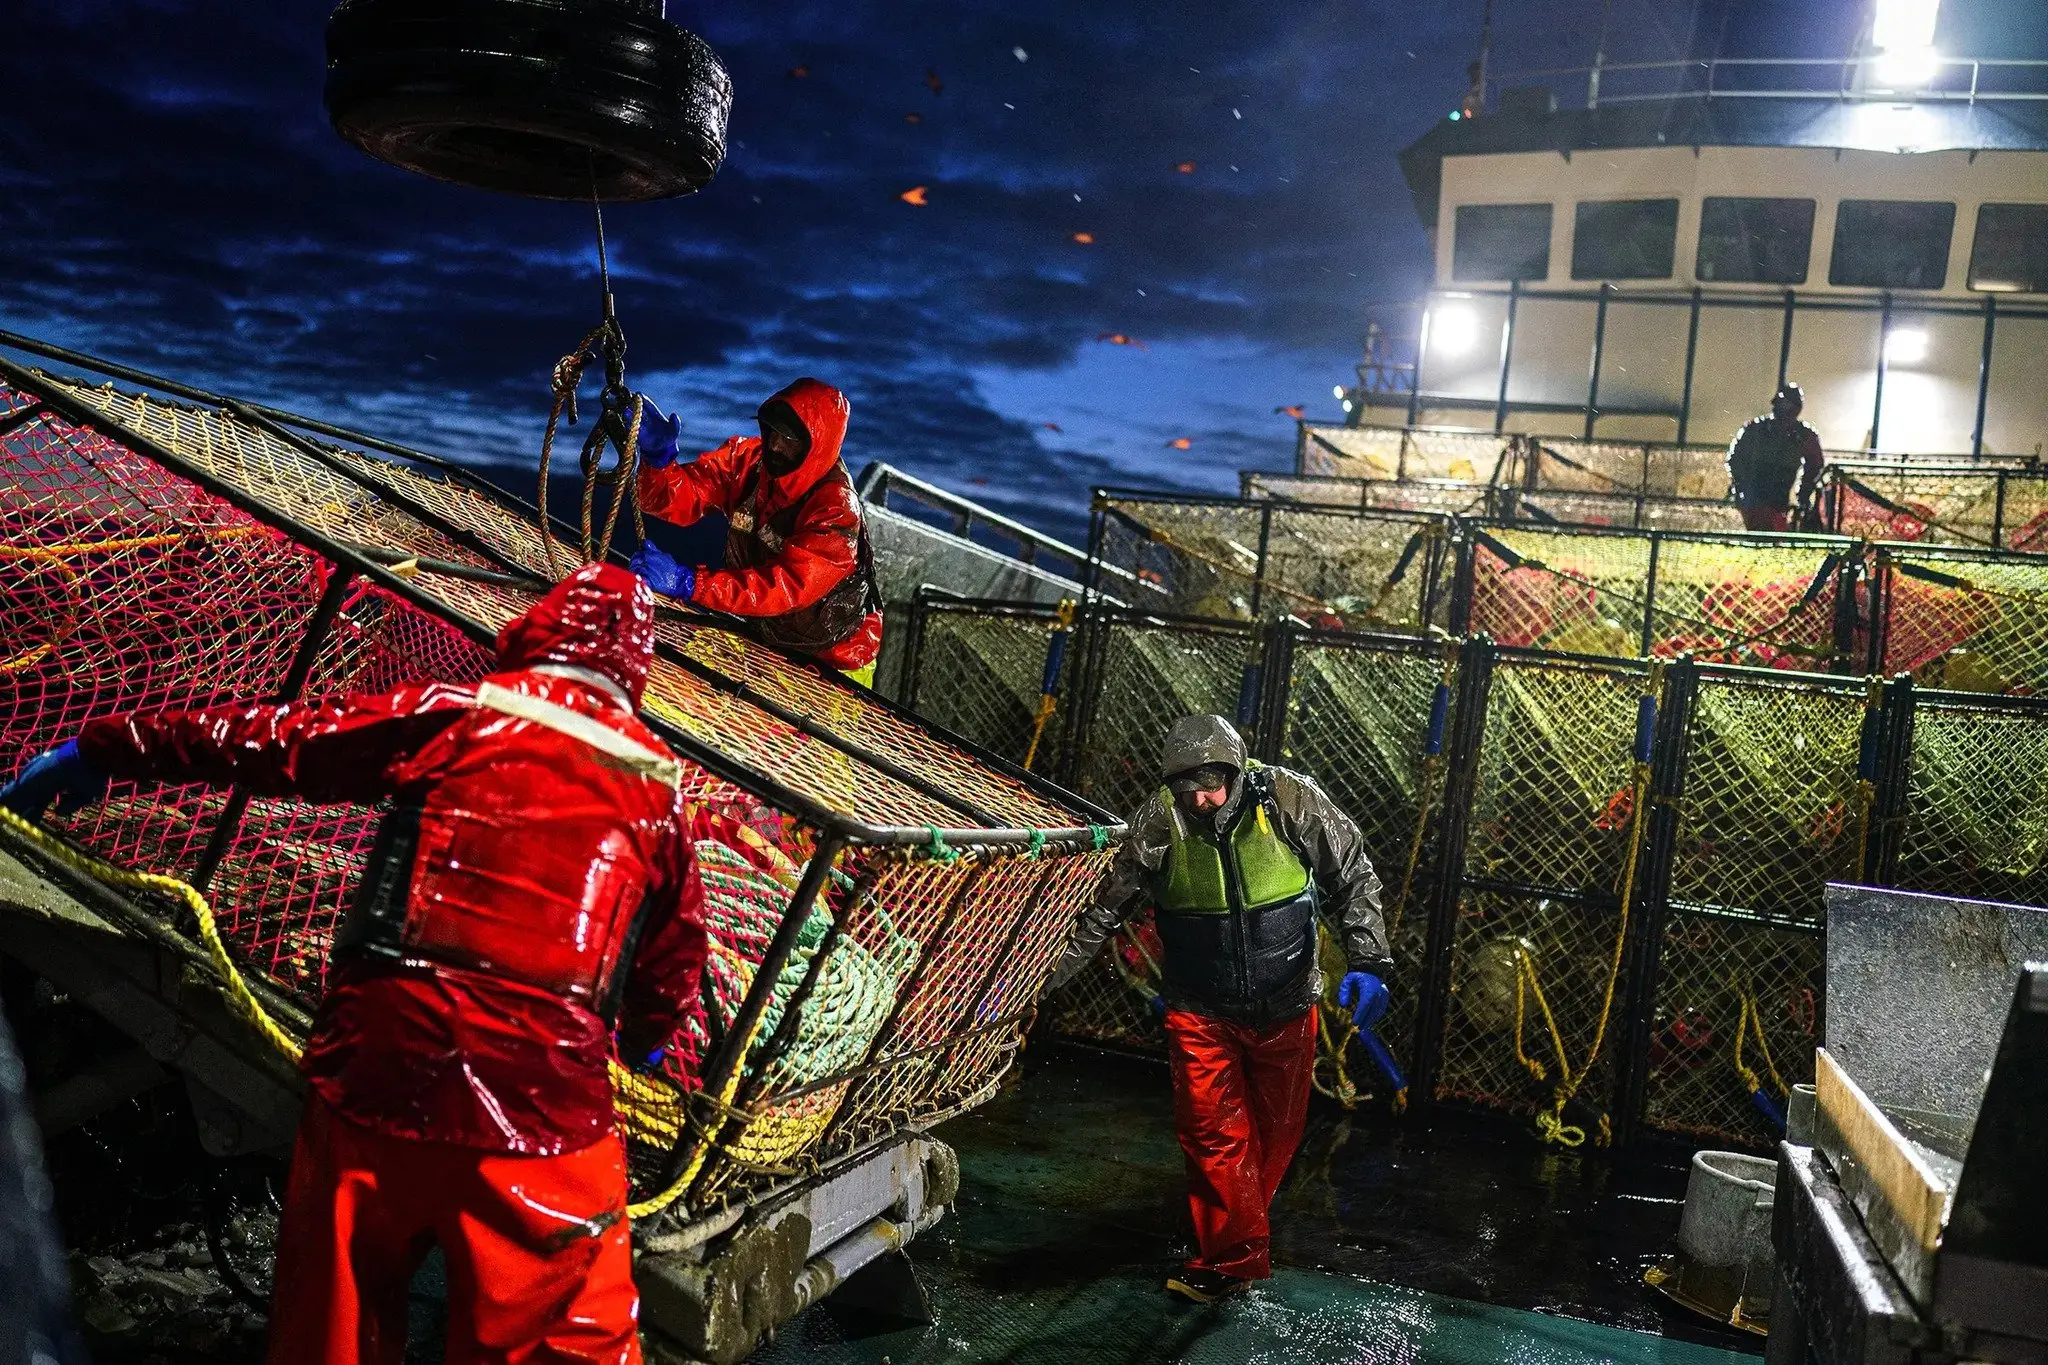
[
  {"x": 2000, "y": 501},
  {"x": 990, "y": 1038},
  {"x": 1840, "y": 565},
  {"x": 1425, "y": 552},
  {"x": 1721, "y": 899}
]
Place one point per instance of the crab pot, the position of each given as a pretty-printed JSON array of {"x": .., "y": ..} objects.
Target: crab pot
[
  {"x": 548, "y": 99},
  {"x": 884, "y": 902}
]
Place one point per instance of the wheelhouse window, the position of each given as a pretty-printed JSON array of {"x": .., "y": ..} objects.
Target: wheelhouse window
[
  {"x": 1501, "y": 242},
  {"x": 1754, "y": 241},
  {"x": 1891, "y": 244},
  {"x": 2011, "y": 251},
  {"x": 1624, "y": 239}
]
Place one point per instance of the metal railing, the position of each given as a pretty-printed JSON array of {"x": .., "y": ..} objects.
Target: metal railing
[
  {"x": 880, "y": 482},
  {"x": 1949, "y": 80}
]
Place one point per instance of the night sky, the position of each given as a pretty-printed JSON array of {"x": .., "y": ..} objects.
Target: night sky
[{"x": 171, "y": 195}]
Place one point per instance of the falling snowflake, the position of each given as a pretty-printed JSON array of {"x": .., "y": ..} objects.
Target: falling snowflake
[{"x": 1020, "y": 54}]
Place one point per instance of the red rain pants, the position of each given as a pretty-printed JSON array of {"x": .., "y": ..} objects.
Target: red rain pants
[
  {"x": 1240, "y": 1097},
  {"x": 1765, "y": 518},
  {"x": 540, "y": 1268}
]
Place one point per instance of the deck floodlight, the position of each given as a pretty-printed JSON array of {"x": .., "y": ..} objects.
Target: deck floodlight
[
  {"x": 1902, "y": 35},
  {"x": 1453, "y": 329},
  {"x": 1905, "y": 346}
]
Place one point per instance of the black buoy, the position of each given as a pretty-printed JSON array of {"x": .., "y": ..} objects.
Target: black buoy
[{"x": 551, "y": 99}]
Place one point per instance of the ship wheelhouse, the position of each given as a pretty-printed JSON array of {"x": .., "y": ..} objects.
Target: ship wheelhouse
[{"x": 1650, "y": 267}]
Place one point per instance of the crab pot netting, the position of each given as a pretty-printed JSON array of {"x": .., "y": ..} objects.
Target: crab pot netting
[
  {"x": 981, "y": 674},
  {"x": 1721, "y": 600},
  {"x": 1320, "y": 564},
  {"x": 1965, "y": 621},
  {"x": 1738, "y": 1009},
  {"x": 1552, "y": 817},
  {"x": 1357, "y": 720},
  {"x": 1621, "y": 509},
  {"x": 1976, "y": 817},
  {"x": 1938, "y": 506},
  {"x": 131, "y": 587},
  {"x": 1773, "y": 808},
  {"x": 1144, "y": 675}
]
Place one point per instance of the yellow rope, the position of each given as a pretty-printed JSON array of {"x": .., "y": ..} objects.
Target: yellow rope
[
  {"x": 240, "y": 997},
  {"x": 1750, "y": 1021},
  {"x": 1551, "y": 1124},
  {"x": 57, "y": 554}
]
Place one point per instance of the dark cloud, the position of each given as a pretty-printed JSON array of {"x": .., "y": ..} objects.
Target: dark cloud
[{"x": 170, "y": 194}]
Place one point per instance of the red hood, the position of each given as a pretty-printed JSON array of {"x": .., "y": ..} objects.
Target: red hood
[
  {"x": 824, "y": 412},
  {"x": 601, "y": 617}
]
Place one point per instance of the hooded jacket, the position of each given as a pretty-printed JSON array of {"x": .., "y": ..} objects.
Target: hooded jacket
[
  {"x": 1766, "y": 458},
  {"x": 532, "y": 885},
  {"x": 1325, "y": 839},
  {"x": 796, "y": 551}
]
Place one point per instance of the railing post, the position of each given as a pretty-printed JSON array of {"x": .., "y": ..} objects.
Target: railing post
[
  {"x": 1645, "y": 947},
  {"x": 1599, "y": 349},
  {"x": 1692, "y": 351},
  {"x": 1475, "y": 680},
  {"x": 1421, "y": 353},
  {"x": 913, "y": 650},
  {"x": 1984, "y": 375},
  {"x": 1507, "y": 357},
  {"x": 297, "y": 673},
  {"x": 1878, "y": 630},
  {"x": 1884, "y": 338},
  {"x": 1785, "y": 336},
  {"x": 1998, "y": 515}
]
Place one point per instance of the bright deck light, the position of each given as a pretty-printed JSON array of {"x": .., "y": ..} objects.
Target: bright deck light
[
  {"x": 1902, "y": 34},
  {"x": 1453, "y": 329},
  {"x": 1905, "y": 346}
]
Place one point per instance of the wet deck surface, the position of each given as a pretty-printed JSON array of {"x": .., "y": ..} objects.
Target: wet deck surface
[{"x": 1459, "y": 1241}]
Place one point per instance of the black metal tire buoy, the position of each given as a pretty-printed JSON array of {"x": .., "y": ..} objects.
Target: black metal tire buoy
[{"x": 551, "y": 99}]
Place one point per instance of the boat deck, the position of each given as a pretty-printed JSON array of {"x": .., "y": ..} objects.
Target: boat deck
[{"x": 1452, "y": 1242}]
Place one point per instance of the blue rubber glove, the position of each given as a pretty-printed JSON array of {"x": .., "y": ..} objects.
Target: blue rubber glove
[
  {"x": 59, "y": 775},
  {"x": 1365, "y": 995},
  {"x": 662, "y": 573},
  {"x": 658, "y": 436},
  {"x": 649, "y": 1064},
  {"x": 1157, "y": 1004}
]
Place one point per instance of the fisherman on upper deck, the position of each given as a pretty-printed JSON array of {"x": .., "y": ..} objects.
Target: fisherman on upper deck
[
  {"x": 1767, "y": 456},
  {"x": 796, "y": 546}
]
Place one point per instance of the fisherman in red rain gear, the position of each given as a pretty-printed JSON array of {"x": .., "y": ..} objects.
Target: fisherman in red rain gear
[
  {"x": 796, "y": 549},
  {"x": 1238, "y": 861},
  {"x": 533, "y": 883}
]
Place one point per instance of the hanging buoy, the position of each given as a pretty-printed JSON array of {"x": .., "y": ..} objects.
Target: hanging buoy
[{"x": 550, "y": 99}]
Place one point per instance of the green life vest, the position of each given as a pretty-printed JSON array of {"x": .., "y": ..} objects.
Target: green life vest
[{"x": 1261, "y": 869}]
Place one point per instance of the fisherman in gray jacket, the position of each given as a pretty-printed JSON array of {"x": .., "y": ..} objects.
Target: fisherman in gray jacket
[{"x": 1237, "y": 860}]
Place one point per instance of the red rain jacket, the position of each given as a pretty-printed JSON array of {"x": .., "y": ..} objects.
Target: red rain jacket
[
  {"x": 795, "y": 548},
  {"x": 538, "y": 836}
]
